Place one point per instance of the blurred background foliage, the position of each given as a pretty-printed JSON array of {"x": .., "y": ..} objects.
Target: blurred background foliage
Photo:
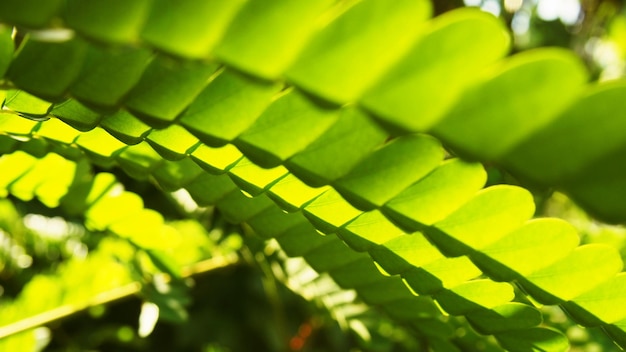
[{"x": 255, "y": 298}]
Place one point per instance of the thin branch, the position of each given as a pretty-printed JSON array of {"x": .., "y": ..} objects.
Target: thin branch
[
  {"x": 68, "y": 309},
  {"x": 107, "y": 297}
]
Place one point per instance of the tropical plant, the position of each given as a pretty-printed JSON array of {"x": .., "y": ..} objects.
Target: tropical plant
[{"x": 352, "y": 134}]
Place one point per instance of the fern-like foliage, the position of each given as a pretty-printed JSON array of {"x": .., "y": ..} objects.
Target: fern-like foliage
[
  {"x": 320, "y": 116},
  {"x": 127, "y": 261}
]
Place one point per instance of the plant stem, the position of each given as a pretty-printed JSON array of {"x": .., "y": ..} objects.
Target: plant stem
[{"x": 106, "y": 297}]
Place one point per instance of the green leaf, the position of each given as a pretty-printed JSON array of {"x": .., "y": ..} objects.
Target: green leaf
[
  {"x": 598, "y": 186},
  {"x": 25, "y": 187},
  {"x": 189, "y": 28},
  {"x": 438, "y": 274},
  {"x": 47, "y": 69},
  {"x": 252, "y": 178},
  {"x": 389, "y": 170},
  {"x": 603, "y": 304},
  {"x": 292, "y": 194},
  {"x": 111, "y": 209},
  {"x": 20, "y": 163},
  {"x": 405, "y": 252},
  {"x": 443, "y": 345},
  {"x": 6, "y": 49},
  {"x": 30, "y": 13},
  {"x": 84, "y": 194},
  {"x": 100, "y": 145},
  {"x": 338, "y": 150},
  {"x": 15, "y": 125},
  {"x": 368, "y": 230},
  {"x": 331, "y": 255},
  {"x": 471, "y": 295},
  {"x": 386, "y": 292},
  {"x": 76, "y": 115},
  {"x": 283, "y": 36},
  {"x": 26, "y": 105},
  {"x": 330, "y": 211},
  {"x": 143, "y": 228},
  {"x": 125, "y": 127},
  {"x": 519, "y": 99},
  {"x": 273, "y": 222},
  {"x": 216, "y": 160},
  {"x": 237, "y": 207},
  {"x": 7, "y": 144},
  {"x": 352, "y": 51},
  {"x": 535, "y": 339},
  {"x": 51, "y": 191},
  {"x": 507, "y": 317},
  {"x": 108, "y": 74},
  {"x": 166, "y": 88},
  {"x": 139, "y": 160},
  {"x": 111, "y": 21},
  {"x": 420, "y": 309},
  {"x": 486, "y": 218},
  {"x": 217, "y": 116},
  {"x": 434, "y": 197},
  {"x": 585, "y": 268},
  {"x": 301, "y": 238},
  {"x": 36, "y": 147},
  {"x": 455, "y": 48},
  {"x": 544, "y": 240},
  {"x": 358, "y": 273},
  {"x": 24, "y": 340},
  {"x": 549, "y": 155},
  {"x": 287, "y": 126},
  {"x": 172, "y": 142},
  {"x": 207, "y": 189},
  {"x": 174, "y": 175},
  {"x": 616, "y": 332}
]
